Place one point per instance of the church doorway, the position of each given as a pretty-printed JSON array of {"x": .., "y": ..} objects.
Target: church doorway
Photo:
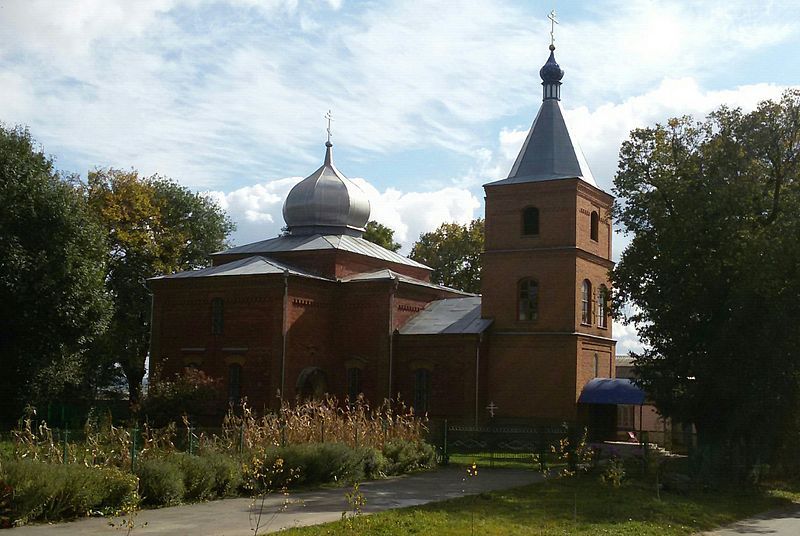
[{"x": 312, "y": 384}]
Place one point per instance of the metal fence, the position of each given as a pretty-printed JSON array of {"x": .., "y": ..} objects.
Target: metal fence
[{"x": 499, "y": 442}]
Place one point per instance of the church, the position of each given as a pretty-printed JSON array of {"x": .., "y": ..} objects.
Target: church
[{"x": 320, "y": 310}]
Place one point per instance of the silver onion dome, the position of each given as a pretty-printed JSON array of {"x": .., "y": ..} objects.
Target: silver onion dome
[{"x": 326, "y": 202}]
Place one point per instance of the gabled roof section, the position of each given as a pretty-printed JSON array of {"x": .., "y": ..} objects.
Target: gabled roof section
[
  {"x": 352, "y": 244},
  {"x": 448, "y": 316},
  {"x": 550, "y": 152},
  {"x": 255, "y": 265},
  {"x": 386, "y": 274}
]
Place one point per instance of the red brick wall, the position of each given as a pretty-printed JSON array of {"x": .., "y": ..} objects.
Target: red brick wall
[
  {"x": 541, "y": 376},
  {"x": 329, "y": 324},
  {"x": 451, "y": 360},
  {"x": 252, "y": 329},
  {"x": 533, "y": 376}
]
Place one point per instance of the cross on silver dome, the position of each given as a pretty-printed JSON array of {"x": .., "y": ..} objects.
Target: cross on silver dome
[{"x": 326, "y": 202}]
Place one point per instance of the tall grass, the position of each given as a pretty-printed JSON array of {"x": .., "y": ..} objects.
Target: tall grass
[
  {"x": 243, "y": 432},
  {"x": 327, "y": 421}
]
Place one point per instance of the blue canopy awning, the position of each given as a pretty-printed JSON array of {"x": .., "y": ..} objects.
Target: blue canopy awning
[{"x": 611, "y": 391}]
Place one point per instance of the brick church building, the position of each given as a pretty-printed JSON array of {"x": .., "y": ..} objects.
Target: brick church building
[{"x": 319, "y": 309}]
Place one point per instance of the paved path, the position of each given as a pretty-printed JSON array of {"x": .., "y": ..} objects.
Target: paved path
[
  {"x": 232, "y": 517},
  {"x": 784, "y": 522}
]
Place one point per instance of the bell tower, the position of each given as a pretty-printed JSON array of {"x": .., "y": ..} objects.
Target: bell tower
[{"x": 545, "y": 271}]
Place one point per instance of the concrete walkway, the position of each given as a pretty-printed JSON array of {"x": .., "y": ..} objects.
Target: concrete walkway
[
  {"x": 784, "y": 522},
  {"x": 233, "y": 517}
]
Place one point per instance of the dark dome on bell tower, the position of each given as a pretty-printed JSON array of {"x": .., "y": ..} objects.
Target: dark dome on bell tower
[{"x": 550, "y": 71}]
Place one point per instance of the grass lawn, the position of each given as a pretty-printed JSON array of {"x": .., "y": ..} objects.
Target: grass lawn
[{"x": 580, "y": 505}]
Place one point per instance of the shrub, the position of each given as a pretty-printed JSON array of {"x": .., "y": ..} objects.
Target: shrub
[
  {"x": 227, "y": 473},
  {"x": 406, "y": 456},
  {"x": 190, "y": 392},
  {"x": 49, "y": 492},
  {"x": 160, "y": 482},
  {"x": 198, "y": 476},
  {"x": 373, "y": 462},
  {"x": 313, "y": 463}
]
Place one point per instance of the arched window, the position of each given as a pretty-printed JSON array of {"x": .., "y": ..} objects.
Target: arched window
[
  {"x": 216, "y": 316},
  {"x": 530, "y": 221},
  {"x": 586, "y": 303},
  {"x": 528, "y": 308},
  {"x": 422, "y": 390},
  {"x": 602, "y": 306},
  {"x": 353, "y": 384},
  {"x": 234, "y": 383},
  {"x": 595, "y": 231}
]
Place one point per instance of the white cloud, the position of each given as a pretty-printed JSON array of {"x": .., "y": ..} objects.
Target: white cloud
[
  {"x": 631, "y": 44},
  {"x": 410, "y": 214},
  {"x": 218, "y": 92},
  {"x": 627, "y": 339}
]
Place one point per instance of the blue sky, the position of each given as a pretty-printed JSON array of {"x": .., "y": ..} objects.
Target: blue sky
[{"x": 430, "y": 99}]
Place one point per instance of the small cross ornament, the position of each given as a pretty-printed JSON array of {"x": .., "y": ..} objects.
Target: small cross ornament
[
  {"x": 553, "y": 22},
  {"x": 492, "y": 407},
  {"x": 329, "y": 117}
]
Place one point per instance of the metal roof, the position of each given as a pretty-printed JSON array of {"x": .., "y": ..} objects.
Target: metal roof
[
  {"x": 326, "y": 201},
  {"x": 255, "y": 265},
  {"x": 549, "y": 152},
  {"x": 352, "y": 244},
  {"x": 451, "y": 315},
  {"x": 611, "y": 391},
  {"x": 386, "y": 274}
]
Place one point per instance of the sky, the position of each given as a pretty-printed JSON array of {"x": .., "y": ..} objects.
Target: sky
[{"x": 430, "y": 100}]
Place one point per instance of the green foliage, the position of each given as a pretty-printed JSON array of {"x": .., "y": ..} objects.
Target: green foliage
[
  {"x": 161, "y": 481},
  {"x": 312, "y": 463},
  {"x": 381, "y": 235},
  {"x": 372, "y": 462},
  {"x": 50, "y": 492},
  {"x": 52, "y": 300},
  {"x": 227, "y": 473},
  {"x": 713, "y": 209},
  {"x": 198, "y": 477},
  {"x": 613, "y": 474},
  {"x": 454, "y": 252},
  {"x": 155, "y": 227},
  {"x": 6, "y": 505},
  {"x": 191, "y": 392},
  {"x": 574, "y": 506},
  {"x": 407, "y": 456},
  {"x": 181, "y": 477}
]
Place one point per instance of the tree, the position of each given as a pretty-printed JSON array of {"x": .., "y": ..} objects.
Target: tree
[
  {"x": 154, "y": 227},
  {"x": 381, "y": 235},
  {"x": 454, "y": 252},
  {"x": 713, "y": 208},
  {"x": 52, "y": 300}
]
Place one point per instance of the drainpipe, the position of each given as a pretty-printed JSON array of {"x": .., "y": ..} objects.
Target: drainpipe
[
  {"x": 284, "y": 330},
  {"x": 392, "y": 292},
  {"x": 477, "y": 374}
]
